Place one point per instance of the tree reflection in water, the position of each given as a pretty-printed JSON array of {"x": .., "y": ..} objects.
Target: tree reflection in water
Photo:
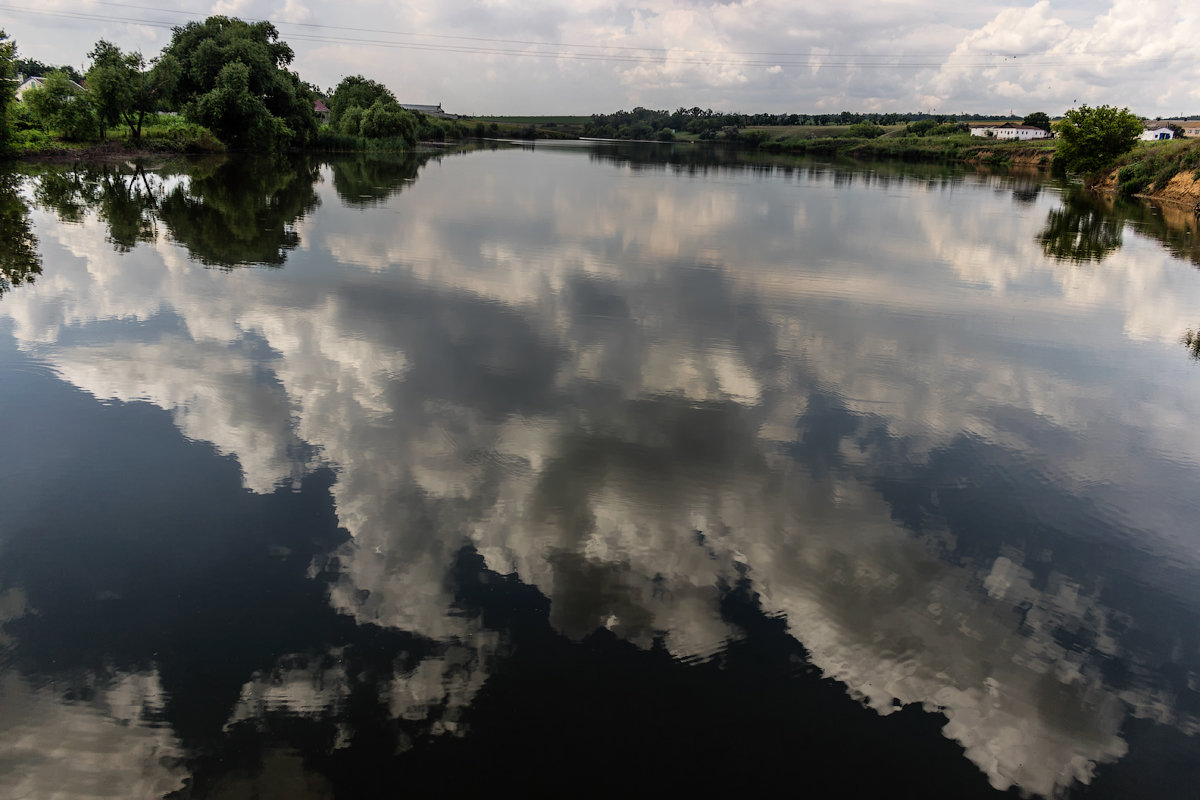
[
  {"x": 367, "y": 180},
  {"x": 242, "y": 211},
  {"x": 1191, "y": 340},
  {"x": 19, "y": 259},
  {"x": 1089, "y": 227},
  {"x": 227, "y": 212},
  {"x": 1082, "y": 231}
]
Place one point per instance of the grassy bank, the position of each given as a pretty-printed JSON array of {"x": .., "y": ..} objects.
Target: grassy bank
[
  {"x": 1165, "y": 171},
  {"x": 161, "y": 134},
  {"x": 897, "y": 146}
]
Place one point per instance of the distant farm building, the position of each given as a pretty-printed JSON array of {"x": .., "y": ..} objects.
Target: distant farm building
[
  {"x": 25, "y": 84},
  {"x": 1157, "y": 134},
  {"x": 321, "y": 110},
  {"x": 1191, "y": 127},
  {"x": 432, "y": 111},
  {"x": 1010, "y": 130}
]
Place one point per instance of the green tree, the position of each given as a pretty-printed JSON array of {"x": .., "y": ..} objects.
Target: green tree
[
  {"x": 121, "y": 195},
  {"x": 32, "y": 68},
  {"x": 8, "y": 87},
  {"x": 232, "y": 78},
  {"x": 865, "y": 130},
  {"x": 123, "y": 89},
  {"x": 60, "y": 105},
  {"x": 1038, "y": 119},
  {"x": 1091, "y": 139},
  {"x": 385, "y": 118},
  {"x": 355, "y": 90},
  {"x": 237, "y": 115},
  {"x": 921, "y": 127},
  {"x": 351, "y": 122}
]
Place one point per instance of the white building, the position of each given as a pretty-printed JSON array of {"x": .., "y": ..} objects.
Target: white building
[
  {"x": 1191, "y": 127},
  {"x": 25, "y": 84},
  {"x": 1009, "y": 131},
  {"x": 1157, "y": 134}
]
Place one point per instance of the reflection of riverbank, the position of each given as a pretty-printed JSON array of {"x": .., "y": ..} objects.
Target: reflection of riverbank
[
  {"x": 1089, "y": 226},
  {"x": 20, "y": 261}
]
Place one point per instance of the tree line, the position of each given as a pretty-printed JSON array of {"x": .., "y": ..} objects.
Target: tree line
[
  {"x": 226, "y": 75},
  {"x": 646, "y": 123}
]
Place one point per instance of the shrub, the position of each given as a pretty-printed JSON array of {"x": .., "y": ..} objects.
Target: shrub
[
  {"x": 351, "y": 122},
  {"x": 1090, "y": 139},
  {"x": 865, "y": 130},
  {"x": 62, "y": 106}
]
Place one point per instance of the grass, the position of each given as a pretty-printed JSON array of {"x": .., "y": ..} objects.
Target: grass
[
  {"x": 533, "y": 120},
  {"x": 160, "y": 134},
  {"x": 895, "y": 145},
  {"x": 793, "y": 132},
  {"x": 1152, "y": 165},
  {"x": 329, "y": 142}
]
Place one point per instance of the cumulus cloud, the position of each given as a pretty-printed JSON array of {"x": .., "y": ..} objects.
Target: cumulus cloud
[{"x": 773, "y": 55}]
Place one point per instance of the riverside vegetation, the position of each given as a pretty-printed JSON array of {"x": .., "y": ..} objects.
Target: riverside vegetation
[{"x": 225, "y": 84}]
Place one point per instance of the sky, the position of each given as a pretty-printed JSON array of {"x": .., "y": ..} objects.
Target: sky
[{"x": 597, "y": 56}]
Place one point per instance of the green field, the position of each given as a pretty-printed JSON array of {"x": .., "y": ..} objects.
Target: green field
[{"x": 534, "y": 120}]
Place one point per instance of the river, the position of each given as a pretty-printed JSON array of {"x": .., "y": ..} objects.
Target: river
[{"x": 594, "y": 468}]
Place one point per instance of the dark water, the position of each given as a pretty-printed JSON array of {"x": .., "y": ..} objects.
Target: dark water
[{"x": 572, "y": 471}]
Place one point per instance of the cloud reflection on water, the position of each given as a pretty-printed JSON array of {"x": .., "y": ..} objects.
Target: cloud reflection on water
[{"x": 629, "y": 388}]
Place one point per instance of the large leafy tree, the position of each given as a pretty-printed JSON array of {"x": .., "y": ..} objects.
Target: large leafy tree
[
  {"x": 388, "y": 119},
  {"x": 32, "y": 68},
  {"x": 1091, "y": 139},
  {"x": 233, "y": 79},
  {"x": 358, "y": 92},
  {"x": 124, "y": 90},
  {"x": 1038, "y": 119}
]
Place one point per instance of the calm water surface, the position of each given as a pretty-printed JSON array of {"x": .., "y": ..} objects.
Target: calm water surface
[{"x": 578, "y": 470}]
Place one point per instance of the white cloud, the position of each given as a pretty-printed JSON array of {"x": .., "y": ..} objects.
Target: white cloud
[{"x": 770, "y": 55}]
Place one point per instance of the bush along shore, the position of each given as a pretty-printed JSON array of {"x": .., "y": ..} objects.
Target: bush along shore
[
  {"x": 960, "y": 147},
  {"x": 161, "y": 134},
  {"x": 1162, "y": 171}
]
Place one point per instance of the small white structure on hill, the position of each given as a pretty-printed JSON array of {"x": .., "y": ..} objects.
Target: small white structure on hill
[
  {"x": 1010, "y": 130},
  {"x": 36, "y": 82},
  {"x": 1190, "y": 127},
  {"x": 1157, "y": 134},
  {"x": 27, "y": 84}
]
